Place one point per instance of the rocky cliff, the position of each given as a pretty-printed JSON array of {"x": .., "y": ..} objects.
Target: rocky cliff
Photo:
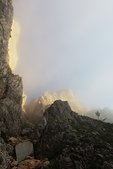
[{"x": 10, "y": 84}]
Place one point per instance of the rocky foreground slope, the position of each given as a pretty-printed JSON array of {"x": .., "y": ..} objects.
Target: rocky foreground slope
[
  {"x": 71, "y": 141},
  {"x": 61, "y": 140}
]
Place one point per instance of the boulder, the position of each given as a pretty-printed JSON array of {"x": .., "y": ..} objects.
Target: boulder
[{"x": 23, "y": 150}]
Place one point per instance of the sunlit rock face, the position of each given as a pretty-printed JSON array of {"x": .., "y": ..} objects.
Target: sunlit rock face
[
  {"x": 10, "y": 84},
  {"x": 35, "y": 109},
  {"x": 13, "y": 43}
]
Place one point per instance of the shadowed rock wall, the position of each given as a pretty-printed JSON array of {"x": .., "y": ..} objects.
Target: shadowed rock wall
[{"x": 10, "y": 85}]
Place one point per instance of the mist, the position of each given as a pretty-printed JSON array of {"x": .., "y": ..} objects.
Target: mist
[
  {"x": 66, "y": 45},
  {"x": 38, "y": 106}
]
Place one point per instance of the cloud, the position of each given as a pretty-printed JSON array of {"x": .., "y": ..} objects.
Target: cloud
[{"x": 66, "y": 44}]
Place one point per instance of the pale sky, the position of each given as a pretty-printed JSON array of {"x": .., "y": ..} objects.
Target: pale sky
[{"x": 67, "y": 44}]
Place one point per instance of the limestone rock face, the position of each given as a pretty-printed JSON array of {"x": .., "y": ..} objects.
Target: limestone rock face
[
  {"x": 6, "y": 14},
  {"x": 10, "y": 84}
]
